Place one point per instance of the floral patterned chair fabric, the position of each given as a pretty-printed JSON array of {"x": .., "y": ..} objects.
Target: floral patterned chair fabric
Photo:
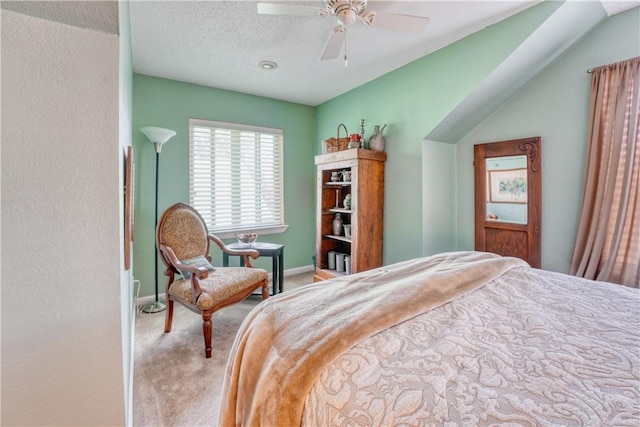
[{"x": 182, "y": 240}]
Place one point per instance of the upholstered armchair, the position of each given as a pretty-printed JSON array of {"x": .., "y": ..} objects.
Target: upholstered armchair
[{"x": 182, "y": 240}]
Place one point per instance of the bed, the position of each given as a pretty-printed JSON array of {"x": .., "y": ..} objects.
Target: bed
[{"x": 460, "y": 338}]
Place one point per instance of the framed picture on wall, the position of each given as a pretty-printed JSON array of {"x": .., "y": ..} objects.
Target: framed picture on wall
[
  {"x": 129, "y": 174},
  {"x": 508, "y": 186}
]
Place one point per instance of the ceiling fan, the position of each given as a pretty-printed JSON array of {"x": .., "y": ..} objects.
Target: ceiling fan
[{"x": 347, "y": 13}]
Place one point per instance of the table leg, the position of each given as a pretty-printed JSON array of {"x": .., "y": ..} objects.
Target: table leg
[
  {"x": 274, "y": 269},
  {"x": 281, "y": 271},
  {"x": 225, "y": 259}
]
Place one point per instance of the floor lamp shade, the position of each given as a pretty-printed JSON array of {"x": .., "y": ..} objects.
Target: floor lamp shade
[{"x": 157, "y": 136}]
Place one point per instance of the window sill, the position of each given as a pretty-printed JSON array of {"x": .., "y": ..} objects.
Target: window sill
[{"x": 259, "y": 231}]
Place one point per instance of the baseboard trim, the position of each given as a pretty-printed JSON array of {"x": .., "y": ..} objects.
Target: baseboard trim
[
  {"x": 298, "y": 270},
  {"x": 289, "y": 272}
]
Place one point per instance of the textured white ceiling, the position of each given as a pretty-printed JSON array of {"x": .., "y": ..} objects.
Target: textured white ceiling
[
  {"x": 96, "y": 15},
  {"x": 219, "y": 43}
]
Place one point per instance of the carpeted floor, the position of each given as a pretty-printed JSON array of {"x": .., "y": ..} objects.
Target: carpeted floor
[{"x": 174, "y": 384}]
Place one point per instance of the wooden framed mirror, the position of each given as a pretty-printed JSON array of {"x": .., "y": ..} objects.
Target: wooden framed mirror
[{"x": 508, "y": 199}]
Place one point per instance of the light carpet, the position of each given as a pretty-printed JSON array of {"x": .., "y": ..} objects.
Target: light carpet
[{"x": 174, "y": 384}]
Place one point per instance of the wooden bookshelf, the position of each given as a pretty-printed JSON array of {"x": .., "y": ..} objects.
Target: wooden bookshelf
[{"x": 365, "y": 214}]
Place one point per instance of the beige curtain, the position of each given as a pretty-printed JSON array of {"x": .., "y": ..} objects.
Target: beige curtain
[{"x": 608, "y": 242}]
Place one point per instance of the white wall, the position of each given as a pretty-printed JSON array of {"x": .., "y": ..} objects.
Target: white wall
[
  {"x": 61, "y": 255},
  {"x": 554, "y": 106},
  {"x": 126, "y": 277}
]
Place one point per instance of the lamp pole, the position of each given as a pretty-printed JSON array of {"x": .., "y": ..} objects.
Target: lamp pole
[
  {"x": 156, "y": 227},
  {"x": 157, "y": 136},
  {"x": 157, "y": 305}
]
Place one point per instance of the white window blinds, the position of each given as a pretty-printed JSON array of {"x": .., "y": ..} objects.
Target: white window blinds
[{"x": 235, "y": 175}]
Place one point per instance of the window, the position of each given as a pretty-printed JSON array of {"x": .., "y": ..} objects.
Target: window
[{"x": 235, "y": 177}]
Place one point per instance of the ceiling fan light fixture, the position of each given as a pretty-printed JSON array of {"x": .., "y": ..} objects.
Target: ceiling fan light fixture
[
  {"x": 268, "y": 65},
  {"x": 347, "y": 11},
  {"x": 346, "y": 16}
]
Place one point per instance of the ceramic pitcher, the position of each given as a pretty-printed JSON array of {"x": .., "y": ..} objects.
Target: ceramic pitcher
[{"x": 376, "y": 142}]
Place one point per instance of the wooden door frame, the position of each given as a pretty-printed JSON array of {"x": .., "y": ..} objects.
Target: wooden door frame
[{"x": 515, "y": 147}]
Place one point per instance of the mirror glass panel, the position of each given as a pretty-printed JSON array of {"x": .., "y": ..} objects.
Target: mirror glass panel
[{"x": 506, "y": 182}]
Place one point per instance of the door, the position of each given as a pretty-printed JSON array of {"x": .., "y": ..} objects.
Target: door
[{"x": 508, "y": 198}]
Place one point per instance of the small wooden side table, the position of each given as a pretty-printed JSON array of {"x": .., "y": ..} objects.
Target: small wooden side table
[{"x": 273, "y": 250}]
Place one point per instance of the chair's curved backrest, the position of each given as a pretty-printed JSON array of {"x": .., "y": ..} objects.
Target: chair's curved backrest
[{"x": 182, "y": 229}]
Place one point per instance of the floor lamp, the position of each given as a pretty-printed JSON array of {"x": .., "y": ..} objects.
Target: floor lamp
[{"x": 157, "y": 136}]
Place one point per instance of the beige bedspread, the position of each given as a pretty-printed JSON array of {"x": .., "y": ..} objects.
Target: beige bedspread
[
  {"x": 286, "y": 342},
  {"x": 530, "y": 348}
]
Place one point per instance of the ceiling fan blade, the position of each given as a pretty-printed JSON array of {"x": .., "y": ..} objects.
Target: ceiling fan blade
[
  {"x": 334, "y": 45},
  {"x": 286, "y": 9},
  {"x": 400, "y": 23}
]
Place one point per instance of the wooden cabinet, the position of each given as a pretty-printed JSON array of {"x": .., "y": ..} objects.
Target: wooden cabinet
[{"x": 365, "y": 215}]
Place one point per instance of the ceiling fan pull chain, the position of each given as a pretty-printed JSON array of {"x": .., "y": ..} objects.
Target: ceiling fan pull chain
[{"x": 345, "y": 47}]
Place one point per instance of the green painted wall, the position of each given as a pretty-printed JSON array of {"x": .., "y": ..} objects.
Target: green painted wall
[
  {"x": 412, "y": 101},
  {"x": 438, "y": 167},
  {"x": 170, "y": 104},
  {"x": 555, "y": 106}
]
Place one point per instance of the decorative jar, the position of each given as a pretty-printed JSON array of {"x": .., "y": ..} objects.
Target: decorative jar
[{"x": 337, "y": 225}]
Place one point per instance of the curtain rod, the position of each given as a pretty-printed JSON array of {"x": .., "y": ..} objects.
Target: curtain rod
[{"x": 591, "y": 70}]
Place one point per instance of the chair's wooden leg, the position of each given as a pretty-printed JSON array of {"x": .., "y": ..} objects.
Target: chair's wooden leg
[
  {"x": 169, "y": 317},
  {"x": 207, "y": 329},
  {"x": 265, "y": 289}
]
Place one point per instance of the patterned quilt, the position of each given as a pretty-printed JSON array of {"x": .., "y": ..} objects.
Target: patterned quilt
[
  {"x": 456, "y": 339},
  {"x": 530, "y": 348}
]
